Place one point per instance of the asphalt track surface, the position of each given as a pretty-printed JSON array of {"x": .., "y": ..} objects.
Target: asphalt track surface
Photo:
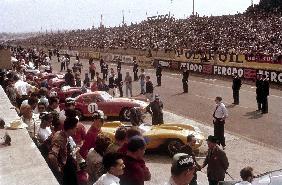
[{"x": 199, "y": 104}]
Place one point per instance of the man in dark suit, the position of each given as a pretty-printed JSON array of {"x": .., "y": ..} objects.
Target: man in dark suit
[
  {"x": 119, "y": 83},
  {"x": 217, "y": 162},
  {"x": 265, "y": 94},
  {"x": 259, "y": 91},
  {"x": 159, "y": 74},
  {"x": 155, "y": 108},
  {"x": 135, "y": 71},
  {"x": 185, "y": 80},
  {"x": 236, "y": 88}
]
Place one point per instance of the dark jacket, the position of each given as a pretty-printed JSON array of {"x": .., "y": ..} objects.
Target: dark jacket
[
  {"x": 236, "y": 83},
  {"x": 135, "y": 67},
  {"x": 119, "y": 79},
  {"x": 135, "y": 172},
  {"x": 69, "y": 79},
  {"x": 259, "y": 90},
  {"x": 185, "y": 76},
  {"x": 218, "y": 164},
  {"x": 265, "y": 88},
  {"x": 159, "y": 71},
  {"x": 155, "y": 108},
  {"x": 149, "y": 87},
  {"x": 112, "y": 82}
]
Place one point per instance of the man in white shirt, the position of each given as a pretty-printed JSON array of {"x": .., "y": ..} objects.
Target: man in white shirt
[
  {"x": 220, "y": 114},
  {"x": 113, "y": 163},
  {"x": 182, "y": 169},
  {"x": 247, "y": 176}
]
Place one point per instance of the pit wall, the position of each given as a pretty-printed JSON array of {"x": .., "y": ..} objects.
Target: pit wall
[{"x": 247, "y": 66}]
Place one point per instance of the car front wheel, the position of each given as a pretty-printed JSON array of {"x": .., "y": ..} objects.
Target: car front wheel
[{"x": 173, "y": 146}]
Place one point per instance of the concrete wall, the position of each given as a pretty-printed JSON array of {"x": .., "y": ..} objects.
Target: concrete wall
[{"x": 20, "y": 163}]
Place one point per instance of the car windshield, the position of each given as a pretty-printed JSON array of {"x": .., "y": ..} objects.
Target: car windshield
[{"x": 106, "y": 96}]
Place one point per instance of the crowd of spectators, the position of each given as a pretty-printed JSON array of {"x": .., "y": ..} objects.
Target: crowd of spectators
[{"x": 253, "y": 31}]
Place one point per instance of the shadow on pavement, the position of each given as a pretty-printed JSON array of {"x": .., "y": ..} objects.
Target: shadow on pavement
[
  {"x": 231, "y": 106},
  {"x": 253, "y": 115}
]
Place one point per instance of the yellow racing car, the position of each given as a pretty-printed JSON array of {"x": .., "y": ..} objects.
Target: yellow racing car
[{"x": 169, "y": 136}]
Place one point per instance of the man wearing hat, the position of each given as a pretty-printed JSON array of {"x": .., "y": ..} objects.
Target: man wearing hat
[
  {"x": 182, "y": 169},
  {"x": 135, "y": 171},
  {"x": 216, "y": 160},
  {"x": 91, "y": 135},
  {"x": 155, "y": 108},
  {"x": 236, "y": 88}
]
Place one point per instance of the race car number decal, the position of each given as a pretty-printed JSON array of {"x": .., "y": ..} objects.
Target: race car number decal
[{"x": 92, "y": 107}]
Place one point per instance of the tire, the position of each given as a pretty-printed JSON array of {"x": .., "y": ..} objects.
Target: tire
[
  {"x": 173, "y": 146},
  {"x": 125, "y": 114}
]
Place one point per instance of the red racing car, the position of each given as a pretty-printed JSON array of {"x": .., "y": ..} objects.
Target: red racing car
[
  {"x": 87, "y": 103},
  {"x": 66, "y": 91}
]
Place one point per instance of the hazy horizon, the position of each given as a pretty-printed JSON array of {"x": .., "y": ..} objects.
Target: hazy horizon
[{"x": 22, "y": 16}]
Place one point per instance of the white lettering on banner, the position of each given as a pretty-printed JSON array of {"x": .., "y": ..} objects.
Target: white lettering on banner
[
  {"x": 182, "y": 65},
  {"x": 273, "y": 76},
  {"x": 164, "y": 63},
  {"x": 227, "y": 71},
  {"x": 127, "y": 59},
  {"x": 195, "y": 67}
]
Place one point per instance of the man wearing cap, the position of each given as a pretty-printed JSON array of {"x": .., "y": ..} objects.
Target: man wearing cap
[
  {"x": 155, "y": 108},
  {"x": 220, "y": 114},
  {"x": 92, "y": 133},
  {"x": 217, "y": 162},
  {"x": 182, "y": 169},
  {"x": 236, "y": 88},
  {"x": 135, "y": 171}
]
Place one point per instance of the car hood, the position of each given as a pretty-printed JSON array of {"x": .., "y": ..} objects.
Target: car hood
[{"x": 128, "y": 100}]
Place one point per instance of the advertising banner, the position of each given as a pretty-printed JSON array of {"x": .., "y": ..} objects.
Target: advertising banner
[
  {"x": 258, "y": 61},
  {"x": 228, "y": 71}
]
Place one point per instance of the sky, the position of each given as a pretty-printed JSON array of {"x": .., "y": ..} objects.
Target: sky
[{"x": 41, "y": 15}]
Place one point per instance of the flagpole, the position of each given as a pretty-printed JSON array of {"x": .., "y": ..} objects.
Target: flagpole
[{"x": 193, "y": 7}]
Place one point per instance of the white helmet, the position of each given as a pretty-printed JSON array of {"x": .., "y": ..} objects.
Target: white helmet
[{"x": 99, "y": 115}]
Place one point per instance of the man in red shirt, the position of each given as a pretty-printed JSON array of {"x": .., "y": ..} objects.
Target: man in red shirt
[
  {"x": 135, "y": 171},
  {"x": 90, "y": 138}
]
